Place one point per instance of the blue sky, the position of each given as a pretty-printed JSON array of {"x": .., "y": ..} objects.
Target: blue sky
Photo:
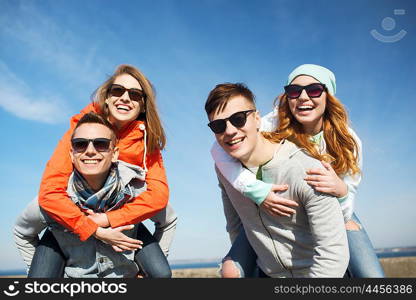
[{"x": 54, "y": 54}]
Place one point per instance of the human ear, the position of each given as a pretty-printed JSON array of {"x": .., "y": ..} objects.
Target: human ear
[
  {"x": 116, "y": 152},
  {"x": 258, "y": 119},
  {"x": 71, "y": 154}
]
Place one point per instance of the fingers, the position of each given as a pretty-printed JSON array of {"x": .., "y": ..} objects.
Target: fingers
[
  {"x": 321, "y": 184},
  {"x": 326, "y": 190},
  {"x": 90, "y": 212},
  {"x": 279, "y": 213},
  {"x": 122, "y": 248},
  {"x": 319, "y": 178},
  {"x": 117, "y": 249},
  {"x": 317, "y": 171},
  {"x": 125, "y": 227},
  {"x": 313, "y": 183},
  {"x": 128, "y": 246},
  {"x": 327, "y": 165},
  {"x": 280, "y": 210},
  {"x": 283, "y": 202},
  {"x": 275, "y": 209},
  {"x": 284, "y": 210},
  {"x": 126, "y": 243},
  {"x": 279, "y": 187},
  {"x": 277, "y": 201},
  {"x": 124, "y": 239}
]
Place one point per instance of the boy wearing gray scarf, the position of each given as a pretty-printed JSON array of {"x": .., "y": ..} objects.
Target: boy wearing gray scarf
[{"x": 99, "y": 183}]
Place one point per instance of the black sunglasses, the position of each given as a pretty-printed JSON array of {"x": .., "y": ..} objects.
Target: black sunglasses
[
  {"x": 80, "y": 145},
  {"x": 237, "y": 119},
  {"x": 313, "y": 90},
  {"x": 117, "y": 90}
]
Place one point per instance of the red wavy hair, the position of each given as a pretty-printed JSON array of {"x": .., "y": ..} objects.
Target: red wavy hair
[{"x": 341, "y": 147}]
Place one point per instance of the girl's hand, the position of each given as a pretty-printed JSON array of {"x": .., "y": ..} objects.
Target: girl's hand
[
  {"x": 99, "y": 218},
  {"x": 276, "y": 205},
  {"x": 118, "y": 240},
  {"x": 326, "y": 181}
]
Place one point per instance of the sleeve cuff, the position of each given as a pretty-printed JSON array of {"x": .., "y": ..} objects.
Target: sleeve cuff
[
  {"x": 115, "y": 218},
  {"x": 342, "y": 199},
  {"x": 87, "y": 228},
  {"x": 258, "y": 191}
]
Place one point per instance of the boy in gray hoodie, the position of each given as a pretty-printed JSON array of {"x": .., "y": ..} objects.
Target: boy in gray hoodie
[{"x": 310, "y": 243}]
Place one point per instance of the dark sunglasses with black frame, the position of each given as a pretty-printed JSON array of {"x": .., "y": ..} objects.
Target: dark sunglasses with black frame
[
  {"x": 237, "y": 119},
  {"x": 313, "y": 90},
  {"x": 117, "y": 90},
  {"x": 80, "y": 145}
]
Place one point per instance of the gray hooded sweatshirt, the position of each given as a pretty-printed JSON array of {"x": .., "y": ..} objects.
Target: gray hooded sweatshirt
[{"x": 310, "y": 243}]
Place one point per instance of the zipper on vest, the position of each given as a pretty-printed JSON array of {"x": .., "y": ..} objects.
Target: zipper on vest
[{"x": 274, "y": 245}]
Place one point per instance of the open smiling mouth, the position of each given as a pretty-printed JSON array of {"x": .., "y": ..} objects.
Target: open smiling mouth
[
  {"x": 235, "y": 141},
  {"x": 305, "y": 107},
  {"x": 123, "y": 108},
  {"x": 90, "y": 161}
]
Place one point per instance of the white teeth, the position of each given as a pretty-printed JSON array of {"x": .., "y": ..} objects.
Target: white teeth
[
  {"x": 123, "y": 107},
  {"x": 90, "y": 161},
  {"x": 235, "y": 141},
  {"x": 305, "y": 107}
]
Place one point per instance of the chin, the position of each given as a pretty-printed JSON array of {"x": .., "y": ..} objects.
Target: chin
[
  {"x": 124, "y": 118},
  {"x": 90, "y": 172},
  {"x": 238, "y": 154}
]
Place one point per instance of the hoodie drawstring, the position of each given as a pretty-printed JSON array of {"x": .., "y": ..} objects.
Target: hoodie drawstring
[{"x": 142, "y": 127}]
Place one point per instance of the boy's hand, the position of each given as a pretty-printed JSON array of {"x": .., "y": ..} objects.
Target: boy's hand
[{"x": 276, "y": 205}]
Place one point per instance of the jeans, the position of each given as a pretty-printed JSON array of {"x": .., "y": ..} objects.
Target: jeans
[
  {"x": 151, "y": 258},
  {"x": 243, "y": 256},
  {"x": 363, "y": 260},
  {"x": 49, "y": 261}
]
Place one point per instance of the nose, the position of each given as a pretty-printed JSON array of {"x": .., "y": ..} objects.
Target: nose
[
  {"x": 230, "y": 129},
  {"x": 304, "y": 95},
  {"x": 90, "y": 151},
  {"x": 125, "y": 96}
]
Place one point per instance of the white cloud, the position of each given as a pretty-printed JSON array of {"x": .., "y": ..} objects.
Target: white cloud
[
  {"x": 15, "y": 99},
  {"x": 47, "y": 42},
  {"x": 58, "y": 51}
]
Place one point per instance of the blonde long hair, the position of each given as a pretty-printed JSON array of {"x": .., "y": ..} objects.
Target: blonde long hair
[
  {"x": 341, "y": 147},
  {"x": 156, "y": 138}
]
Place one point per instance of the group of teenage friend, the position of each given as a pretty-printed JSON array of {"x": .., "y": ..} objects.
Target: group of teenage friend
[{"x": 288, "y": 183}]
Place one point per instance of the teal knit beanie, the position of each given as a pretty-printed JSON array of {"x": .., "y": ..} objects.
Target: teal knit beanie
[{"x": 323, "y": 75}]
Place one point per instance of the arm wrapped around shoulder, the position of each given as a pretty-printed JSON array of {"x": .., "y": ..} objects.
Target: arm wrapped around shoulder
[{"x": 148, "y": 203}]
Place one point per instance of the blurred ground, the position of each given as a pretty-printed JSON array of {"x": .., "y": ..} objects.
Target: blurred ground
[{"x": 396, "y": 267}]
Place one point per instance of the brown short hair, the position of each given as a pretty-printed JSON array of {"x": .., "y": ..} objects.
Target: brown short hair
[
  {"x": 218, "y": 98},
  {"x": 94, "y": 118},
  {"x": 156, "y": 139}
]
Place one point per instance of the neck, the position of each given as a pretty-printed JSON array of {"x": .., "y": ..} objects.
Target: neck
[
  {"x": 313, "y": 129},
  {"x": 96, "y": 182},
  {"x": 262, "y": 153},
  {"x": 118, "y": 125}
]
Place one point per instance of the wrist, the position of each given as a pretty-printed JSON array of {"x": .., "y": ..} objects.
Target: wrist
[
  {"x": 343, "y": 192},
  {"x": 97, "y": 232}
]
